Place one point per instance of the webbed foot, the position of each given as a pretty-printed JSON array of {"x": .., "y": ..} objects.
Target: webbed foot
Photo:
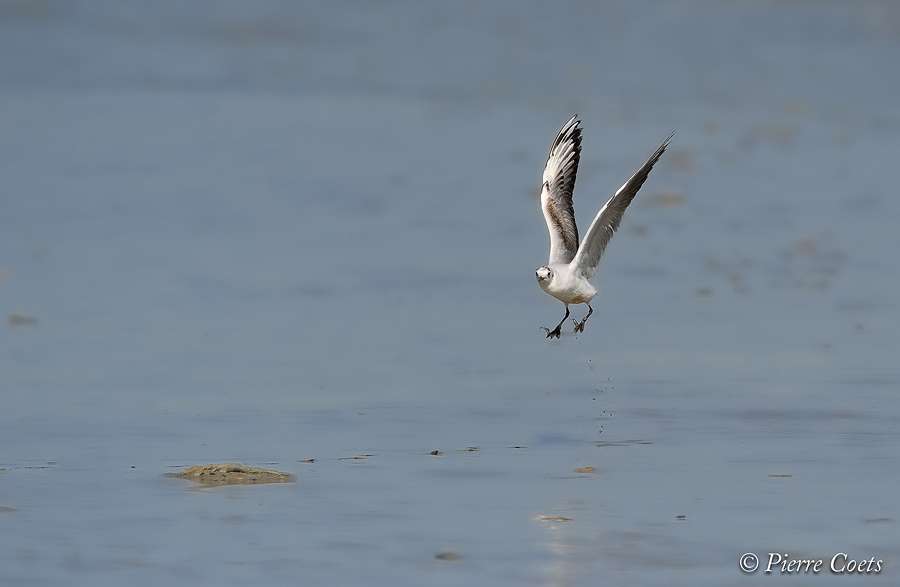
[
  {"x": 552, "y": 333},
  {"x": 555, "y": 331},
  {"x": 579, "y": 326}
]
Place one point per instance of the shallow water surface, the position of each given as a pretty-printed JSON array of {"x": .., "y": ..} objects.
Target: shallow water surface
[{"x": 304, "y": 239}]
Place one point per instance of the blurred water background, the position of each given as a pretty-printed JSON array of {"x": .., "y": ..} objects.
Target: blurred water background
[{"x": 274, "y": 232}]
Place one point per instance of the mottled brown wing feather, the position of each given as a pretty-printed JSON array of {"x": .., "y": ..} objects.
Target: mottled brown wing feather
[{"x": 556, "y": 193}]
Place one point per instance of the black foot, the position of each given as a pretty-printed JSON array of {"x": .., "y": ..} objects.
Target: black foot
[
  {"x": 555, "y": 331},
  {"x": 551, "y": 333}
]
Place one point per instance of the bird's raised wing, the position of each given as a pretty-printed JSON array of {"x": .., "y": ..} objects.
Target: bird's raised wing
[
  {"x": 556, "y": 193},
  {"x": 608, "y": 218}
]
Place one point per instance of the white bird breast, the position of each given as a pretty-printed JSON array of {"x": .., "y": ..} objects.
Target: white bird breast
[{"x": 568, "y": 286}]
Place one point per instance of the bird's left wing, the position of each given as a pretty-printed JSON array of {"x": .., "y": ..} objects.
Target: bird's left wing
[{"x": 608, "y": 218}]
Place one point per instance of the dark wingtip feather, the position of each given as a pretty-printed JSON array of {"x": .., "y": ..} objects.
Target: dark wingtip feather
[
  {"x": 662, "y": 148},
  {"x": 571, "y": 129}
]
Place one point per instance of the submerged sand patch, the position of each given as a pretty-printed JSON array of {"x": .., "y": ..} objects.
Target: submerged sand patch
[{"x": 232, "y": 474}]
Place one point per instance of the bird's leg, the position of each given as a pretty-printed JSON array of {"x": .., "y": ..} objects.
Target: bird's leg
[
  {"x": 555, "y": 331},
  {"x": 579, "y": 326}
]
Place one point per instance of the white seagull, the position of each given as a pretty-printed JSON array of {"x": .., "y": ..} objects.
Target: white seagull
[{"x": 565, "y": 277}]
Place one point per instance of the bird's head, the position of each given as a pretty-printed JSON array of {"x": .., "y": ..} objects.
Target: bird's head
[{"x": 544, "y": 275}]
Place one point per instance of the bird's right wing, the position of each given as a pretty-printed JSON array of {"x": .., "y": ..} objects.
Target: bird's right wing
[
  {"x": 556, "y": 192},
  {"x": 607, "y": 220}
]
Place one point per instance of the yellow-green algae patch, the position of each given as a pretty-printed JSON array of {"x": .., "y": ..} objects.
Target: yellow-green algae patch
[{"x": 232, "y": 474}]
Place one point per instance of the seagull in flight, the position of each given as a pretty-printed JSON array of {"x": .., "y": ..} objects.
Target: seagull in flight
[{"x": 565, "y": 277}]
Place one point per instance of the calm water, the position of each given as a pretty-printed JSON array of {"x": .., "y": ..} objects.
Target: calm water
[{"x": 275, "y": 232}]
